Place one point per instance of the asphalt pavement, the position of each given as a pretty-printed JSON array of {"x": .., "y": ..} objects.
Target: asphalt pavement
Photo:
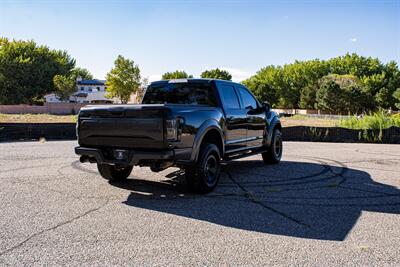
[{"x": 325, "y": 204}]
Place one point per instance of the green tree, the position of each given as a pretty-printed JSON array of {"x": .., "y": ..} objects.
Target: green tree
[
  {"x": 216, "y": 74},
  {"x": 396, "y": 95},
  {"x": 356, "y": 65},
  {"x": 123, "y": 80},
  {"x": 329, "y": 95},
  {"x": 175, "y": 75},
  {"x": 342, "y": 93},
  {"x": 296, "y": 77},
  {"x": 142, "y": 89},
  {"x": 366, "y": 80},
  {"x": 384, "y": 98},
  {"x": 355, "y": 100},
  {"x": 66, "y": 85},
  {"x": 81, "y": 72},
  {"x": 308, "y": 96},
  {"x": 27, "y": 70},
  {"x": 266, "y": 84}
]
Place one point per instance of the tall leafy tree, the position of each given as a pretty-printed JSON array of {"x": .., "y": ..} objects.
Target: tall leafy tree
[
  {"x": 396, "y": 95},
  {"x": 329, "y": 95},
  {"x": 372, "y": 84},
  {"x": 176, "y": 75},
  {"x": 66, "y": 86},
  {"x": 142, "y": 89},
  {"x": 308, "y": 96},
  {"x": 266, "y": 84},
  {"x": 216, "y": 74},
  {"x": 123, "y": 80},
  {"x": 81, "y": 72},
  {"x": 27, "y": 70},
  {"x": 342, "y": 93}
]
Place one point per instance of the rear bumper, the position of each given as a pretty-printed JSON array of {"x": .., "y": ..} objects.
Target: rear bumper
[{"x": 134, "y": 156}]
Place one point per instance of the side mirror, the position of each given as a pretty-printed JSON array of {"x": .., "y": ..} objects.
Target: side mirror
[{"x": 266, "y": 105}]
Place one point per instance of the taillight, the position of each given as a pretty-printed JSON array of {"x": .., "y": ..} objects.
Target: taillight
[{"x": 172, "y": 130}]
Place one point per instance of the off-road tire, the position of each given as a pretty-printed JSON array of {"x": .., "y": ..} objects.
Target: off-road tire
[
  {"x": 204, "y": 175},
  {"x": 273, "y": 154}
]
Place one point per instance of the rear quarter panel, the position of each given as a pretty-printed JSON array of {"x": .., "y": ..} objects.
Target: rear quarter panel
[{"x": 194, "y": 117}]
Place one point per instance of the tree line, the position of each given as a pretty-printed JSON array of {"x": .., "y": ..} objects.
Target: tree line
[
  {"x": 210, "y": 74},
  {"x": 29, "y": 71},
  {"x": 349, "y": 84}
]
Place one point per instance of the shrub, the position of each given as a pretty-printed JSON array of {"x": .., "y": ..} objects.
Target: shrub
[{"x": 376, "y": 121}]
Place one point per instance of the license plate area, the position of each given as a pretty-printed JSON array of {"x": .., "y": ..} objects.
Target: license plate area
[{"x": 120, "y": 154}]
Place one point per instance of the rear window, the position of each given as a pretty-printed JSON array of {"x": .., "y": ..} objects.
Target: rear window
[
  {"x": 229, "y": 97},
  {"x": 180, "y": 93}
]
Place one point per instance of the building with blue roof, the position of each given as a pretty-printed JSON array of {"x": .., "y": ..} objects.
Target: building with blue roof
[{"x": 88, "y": 91}]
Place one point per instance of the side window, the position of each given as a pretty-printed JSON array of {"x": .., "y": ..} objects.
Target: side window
[
  {"x": 228, "y": 97},
  {"x": 247, "y": 98}
]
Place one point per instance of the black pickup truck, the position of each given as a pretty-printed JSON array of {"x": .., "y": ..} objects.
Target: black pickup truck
[{"x": 192, "y": 124}]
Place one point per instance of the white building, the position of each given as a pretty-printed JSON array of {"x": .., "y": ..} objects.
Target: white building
[
  {"x": 88, "y": 91},
  {"x": 52, "y": 98}
]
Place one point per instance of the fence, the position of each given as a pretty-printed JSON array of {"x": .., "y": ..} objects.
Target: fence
[{"x": 66, "y": 131}]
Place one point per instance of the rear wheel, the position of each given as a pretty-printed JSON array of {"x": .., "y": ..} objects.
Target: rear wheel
[
  {"x": 204, "y": 175},
  {"x": 114, "y": 173},
  {"x": 273, "y": 154}
]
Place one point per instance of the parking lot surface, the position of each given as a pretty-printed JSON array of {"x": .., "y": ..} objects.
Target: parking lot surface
[{"x": 324, "y": 204}]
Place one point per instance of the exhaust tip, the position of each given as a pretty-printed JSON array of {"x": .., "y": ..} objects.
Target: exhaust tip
[{"x": 84, "y": 159}]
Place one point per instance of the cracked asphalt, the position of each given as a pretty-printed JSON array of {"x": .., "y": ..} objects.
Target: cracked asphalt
[{"x": 324, "y": 204}]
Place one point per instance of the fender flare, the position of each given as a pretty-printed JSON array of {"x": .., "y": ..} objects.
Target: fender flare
[
  {"x": 273, "y": 124},
  {"x": 210, "y": 124}
]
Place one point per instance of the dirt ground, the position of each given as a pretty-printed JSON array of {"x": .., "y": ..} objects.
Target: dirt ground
[
  {"x": 304, "y": 121},
  {"x": 47, "y": 118},
  {"x": 36, "y": 118}
]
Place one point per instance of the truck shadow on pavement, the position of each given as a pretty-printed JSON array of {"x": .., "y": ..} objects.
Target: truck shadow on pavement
[{"x": 321, "y": 200}]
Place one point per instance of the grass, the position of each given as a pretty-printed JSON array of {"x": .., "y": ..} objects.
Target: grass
[
  {"x": 36, "y": 118},
  {"x": 376, "y": 121},
  {"x": 371, "y": 126}
]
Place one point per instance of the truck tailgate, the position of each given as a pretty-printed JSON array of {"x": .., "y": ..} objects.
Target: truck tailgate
[{"x": 128, "y": 126}]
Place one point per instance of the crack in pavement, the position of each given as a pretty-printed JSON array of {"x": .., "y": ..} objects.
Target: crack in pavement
[
  {"x": 52, "y": 228},
  {"x": 375, "y": 153},
  {"x": 252, "y": 198}
]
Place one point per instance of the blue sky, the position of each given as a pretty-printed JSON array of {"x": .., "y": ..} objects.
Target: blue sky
[{"x": 240, "y": 36}]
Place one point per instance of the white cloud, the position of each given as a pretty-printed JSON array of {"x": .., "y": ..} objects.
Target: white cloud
[
  {"x": 353, "y": 40},
  {"x": 238, "y": 75}
]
